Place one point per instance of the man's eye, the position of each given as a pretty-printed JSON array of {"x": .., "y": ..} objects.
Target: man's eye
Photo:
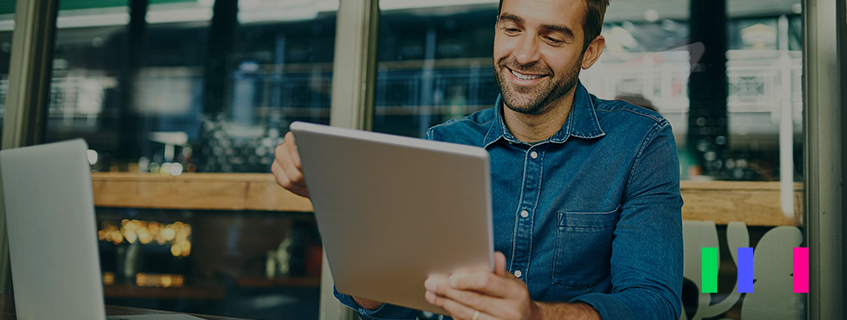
[
  {"x": 554, "y": 40},
  {"x": 512, "y": 30}
]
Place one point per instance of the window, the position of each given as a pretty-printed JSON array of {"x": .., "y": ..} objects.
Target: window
[
  {"x": 7, "y": 24},
  {"x": 170, "y": 88},
  {"x": 734, "y": 101}
]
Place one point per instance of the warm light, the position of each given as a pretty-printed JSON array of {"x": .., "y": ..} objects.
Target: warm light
[
  {"x": 176, "y": 234},
  {"x": 141, "y": 280},
  {"x": 167, "y": 281},
  {"x": 185, "y": 247},
  {"x": 154, "y": 227},
  {"x": 130, "y": 237},
  {"x": 144, "y": 236},
  {"x": 108, "y": 278},
  {"x": 176, "y": 169},
  {"x": 168, "y": 234},
  {"x": 159, "y": 280}
]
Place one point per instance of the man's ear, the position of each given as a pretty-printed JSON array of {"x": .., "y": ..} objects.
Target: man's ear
[{"x": 593, "y": 51}]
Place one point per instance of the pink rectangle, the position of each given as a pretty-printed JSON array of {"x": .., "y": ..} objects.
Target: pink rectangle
[{"x": 801, "y": 270}]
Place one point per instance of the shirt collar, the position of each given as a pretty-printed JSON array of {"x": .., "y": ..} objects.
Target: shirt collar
[{"x": 582, "y": 121}]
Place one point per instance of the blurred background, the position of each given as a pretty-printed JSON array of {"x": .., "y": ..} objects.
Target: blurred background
[{"x": 177, "y": 87}]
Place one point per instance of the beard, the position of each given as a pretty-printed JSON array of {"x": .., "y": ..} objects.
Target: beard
[{"x": 539, "y": 98}]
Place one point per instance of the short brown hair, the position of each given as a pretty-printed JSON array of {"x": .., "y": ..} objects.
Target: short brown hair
[{"x": 593, "y": 22}]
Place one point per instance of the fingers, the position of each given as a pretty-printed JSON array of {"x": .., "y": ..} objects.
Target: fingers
[
  {"x": 459, "y": 302},
  {"x": 292, "y": 150},
  {"x": 483, "y": 282},
  {"x": 439, "y": 286},
  {"x": 500, "y": 264},
  {"x": 287, "y": 168},
  {"x": 456, "y": 310}
]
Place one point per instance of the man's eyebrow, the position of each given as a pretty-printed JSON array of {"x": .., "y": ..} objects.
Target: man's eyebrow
[
  {"x": 553, "y": 27},
  {"x": 509, "y": 16}
]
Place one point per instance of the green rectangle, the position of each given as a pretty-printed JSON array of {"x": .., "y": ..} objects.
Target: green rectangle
[{"x": 709, "y": 273}]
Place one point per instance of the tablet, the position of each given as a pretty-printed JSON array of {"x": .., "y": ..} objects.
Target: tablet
[{"x": 393, "y": 210}]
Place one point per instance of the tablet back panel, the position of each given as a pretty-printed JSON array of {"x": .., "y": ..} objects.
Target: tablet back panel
[{"x": 392, "y": 210}]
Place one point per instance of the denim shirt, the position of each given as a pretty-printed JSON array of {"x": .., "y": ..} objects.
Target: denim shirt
[{"x": 592, "y": 214}]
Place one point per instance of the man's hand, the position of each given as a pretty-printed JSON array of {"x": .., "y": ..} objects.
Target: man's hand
[
  {"x": 287, "y": 168},
  {"x": 498, "y": 295}
]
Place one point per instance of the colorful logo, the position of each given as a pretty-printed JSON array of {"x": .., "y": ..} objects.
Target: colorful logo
[{"x": 709, "y": 271}]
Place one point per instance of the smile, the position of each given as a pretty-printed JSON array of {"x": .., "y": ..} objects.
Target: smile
[{"x": 526, "y": 76}]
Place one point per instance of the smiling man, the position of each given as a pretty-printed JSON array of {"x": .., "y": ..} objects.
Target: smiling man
[{"x": 586, "y": 203}]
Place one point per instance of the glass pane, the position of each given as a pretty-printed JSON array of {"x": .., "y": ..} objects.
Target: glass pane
[
  {"x": 734, "y": 102},
  {"x": 434, "y": 64},
  {"x": 196, "y": 87},
  {"x": 7, "y": 25},
  {"x": 175, "y": 91}
]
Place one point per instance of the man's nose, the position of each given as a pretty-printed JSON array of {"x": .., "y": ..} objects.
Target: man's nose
[{"x": 526, "y": 51}]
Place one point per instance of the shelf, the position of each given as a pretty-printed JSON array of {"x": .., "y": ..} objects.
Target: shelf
[
  {"x": 302, "y": 282},
  {"x": 755, "y": 203},
  {"x": 204, "y": 191}
]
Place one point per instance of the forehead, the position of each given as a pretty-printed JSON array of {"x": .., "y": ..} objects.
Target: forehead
[{"x": 569, "y": 13}]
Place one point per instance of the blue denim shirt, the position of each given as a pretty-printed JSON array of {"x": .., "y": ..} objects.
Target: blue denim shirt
[{"x": 592, "y": 214}]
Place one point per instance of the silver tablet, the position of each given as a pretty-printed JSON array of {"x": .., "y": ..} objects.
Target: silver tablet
[{"x": 393, "y": 210}]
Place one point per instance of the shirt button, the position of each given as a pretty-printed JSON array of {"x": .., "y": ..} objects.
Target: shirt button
[
  {"x": 518, "y": 273},
  {"x": 534, "y": 155},
  {"x": 524, "y": 214}
]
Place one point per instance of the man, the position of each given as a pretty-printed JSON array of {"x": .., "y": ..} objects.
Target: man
[{"x": 587, "y": 210}]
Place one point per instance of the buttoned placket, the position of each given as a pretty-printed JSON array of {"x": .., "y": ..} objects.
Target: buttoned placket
[{"x": 525, "y": 214}]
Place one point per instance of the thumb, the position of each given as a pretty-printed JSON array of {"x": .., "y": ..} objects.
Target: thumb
[{"x": 500, "y": 264}]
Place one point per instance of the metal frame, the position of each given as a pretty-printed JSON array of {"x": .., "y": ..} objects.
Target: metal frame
[
  {"x": 823, "y": 62},
  {"x": 353, "y": 74},
  {"x": 31, "y": 66},
  {"x": 354, "y": 65}
]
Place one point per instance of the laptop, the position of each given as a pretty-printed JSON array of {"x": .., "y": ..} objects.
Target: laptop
[
  {"x": 52, "y": 233},
  {"x": 393, "y": 210}
]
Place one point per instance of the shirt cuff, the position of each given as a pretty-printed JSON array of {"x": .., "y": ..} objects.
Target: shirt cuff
[
  {"x": 384, "y": 312},
  {"x": 606, "y": 305}
]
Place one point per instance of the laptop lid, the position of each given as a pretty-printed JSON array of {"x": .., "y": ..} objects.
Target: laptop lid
[
  {"x": 52, "y": 231},
  {"x": 392, "y": 210}
]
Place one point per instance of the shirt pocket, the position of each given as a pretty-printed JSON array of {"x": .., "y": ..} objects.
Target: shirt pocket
[{"x": 583, "y": 248}]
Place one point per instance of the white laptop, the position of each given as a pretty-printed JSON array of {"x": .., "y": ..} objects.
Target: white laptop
[
  {"x": 392, "y": 210},
  {"x": 52, "y": 233}
]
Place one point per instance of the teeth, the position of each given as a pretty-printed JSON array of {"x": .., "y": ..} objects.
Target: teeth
[{"x": 523, "y": 76}]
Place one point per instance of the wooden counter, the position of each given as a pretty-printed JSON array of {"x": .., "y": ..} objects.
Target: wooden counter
[
  {"x": 204, "y": 191},
  {"x": 755, "y": 203}
]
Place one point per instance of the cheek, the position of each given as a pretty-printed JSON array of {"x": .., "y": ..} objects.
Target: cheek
[
  {"x": 563, "y": 61},
  {"x": 504, "y": 46}
]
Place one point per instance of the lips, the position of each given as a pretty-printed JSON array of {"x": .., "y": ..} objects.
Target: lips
[{"x": 526, "y": 77}]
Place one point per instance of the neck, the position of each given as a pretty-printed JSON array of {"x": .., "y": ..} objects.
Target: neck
[{"x": 537, "y": 127}]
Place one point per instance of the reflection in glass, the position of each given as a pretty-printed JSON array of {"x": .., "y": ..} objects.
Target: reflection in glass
[
  {"x": 7, "y": 25},
  {"x": 434, "y": 64},
  {"x": 221, "y": 91},
  {"x": 186, "y": 88}
]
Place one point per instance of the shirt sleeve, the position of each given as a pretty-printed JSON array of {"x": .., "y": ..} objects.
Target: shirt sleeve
[
  {"x": 647, "y": 251},
  {"x": 384, "y": 312}
]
